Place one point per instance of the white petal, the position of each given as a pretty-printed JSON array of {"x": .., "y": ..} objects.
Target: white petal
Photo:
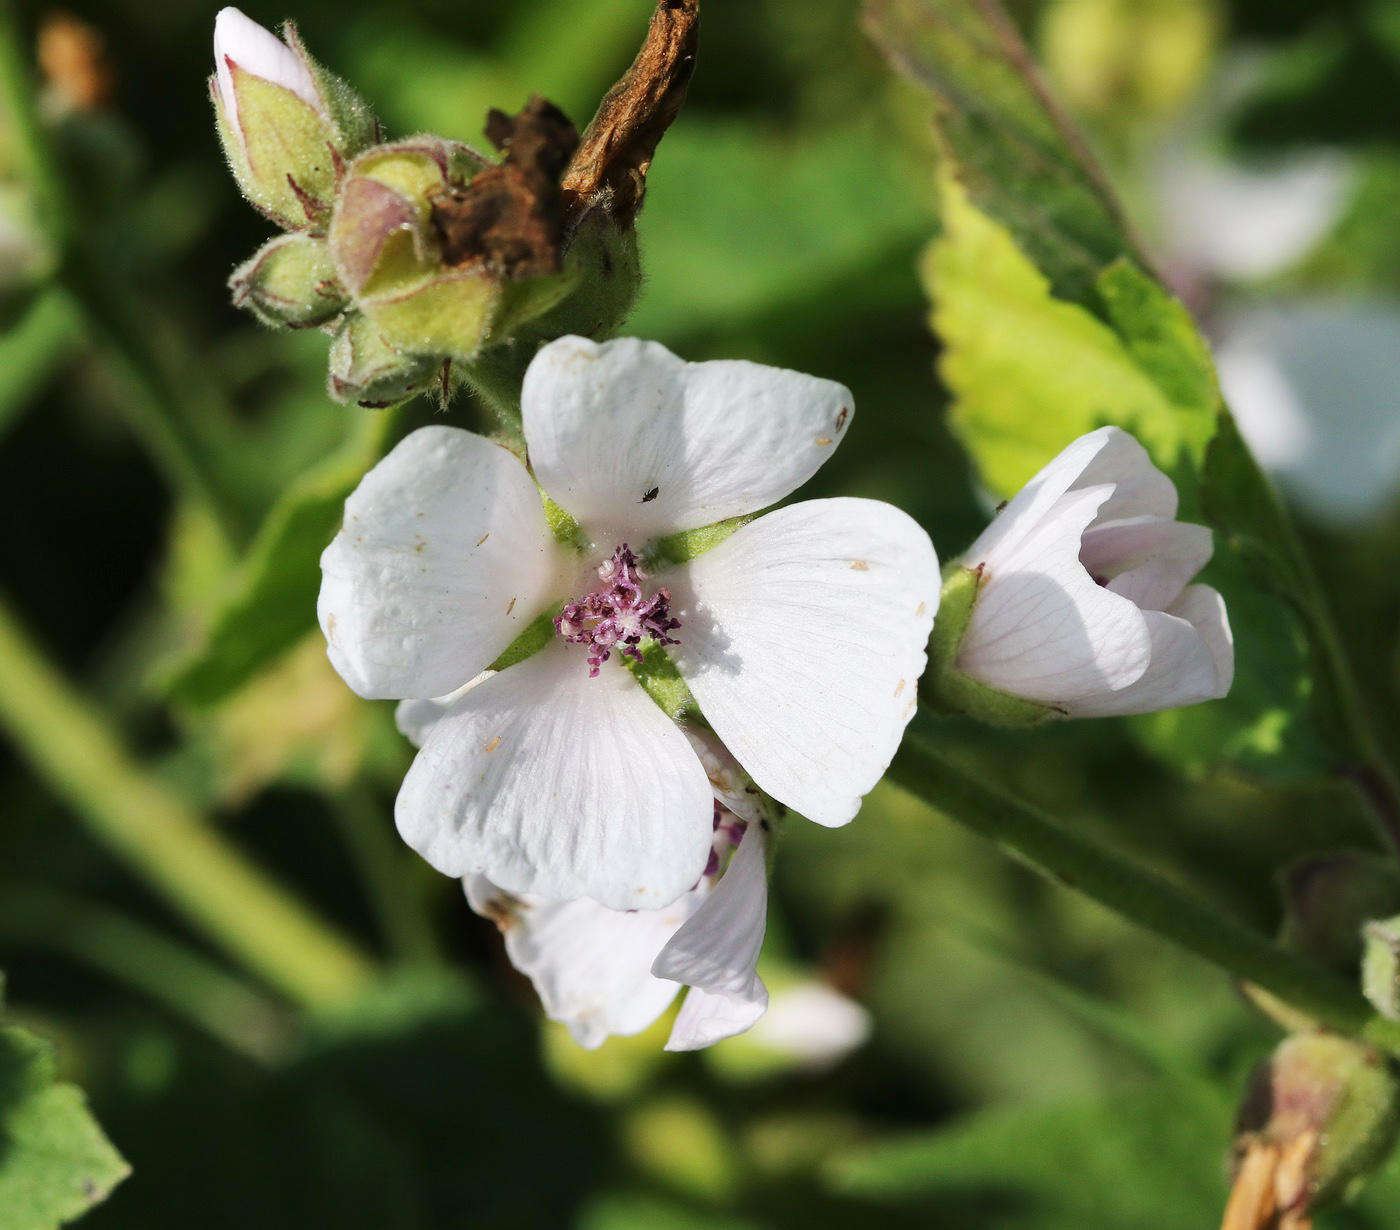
[
  {"x": 260, "y": 52},
  {"x": 591, "y": 966},
  {"x": 731, "y": 785},
  {"x": 1192, "y": 660},
  {"x": 416, "y": 718},
  {"x": 636, "y": 443},
  {"x": 443, "y": 559},
  {"x": 1042, "y": 628},
  {"x": 1106, "y": 456},
  {"x": 814, "y": 1023},
  {"x": 716, "y": 952},
  {"x": 1149, "y": 560},
  {"x": 550, "y": 782},
  {"x": 802, "y": 638}
]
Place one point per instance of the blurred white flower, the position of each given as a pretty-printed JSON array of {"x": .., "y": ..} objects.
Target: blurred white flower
[
  {"x": 814, "y": 1023},
  {"x": 1313, "y": 387},
  {"x": 1239, "y": 222},
  {"x": 1084, "y": 603},
  {"x": 801, "y": 636}
]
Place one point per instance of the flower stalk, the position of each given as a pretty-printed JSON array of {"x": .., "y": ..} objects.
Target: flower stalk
[
  {"x": 142, "y": 822},
  {"x": 1135, "y": 892}
]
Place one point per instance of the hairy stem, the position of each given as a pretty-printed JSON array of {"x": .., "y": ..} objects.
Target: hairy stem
[
  {"x": 1138, "y": 894},
  {"x": 141, "y": 821}
]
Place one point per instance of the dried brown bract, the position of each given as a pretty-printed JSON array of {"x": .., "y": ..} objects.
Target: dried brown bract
[
  {"x": 510, "y": 217},
  {"x": 618, "y": 145}
]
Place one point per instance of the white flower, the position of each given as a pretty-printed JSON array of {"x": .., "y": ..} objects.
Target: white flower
[
  {"x": 1084, "y": 603},
  {"x": 813, "y": 1023},
  {"x": 801, "y": 636},
  {"x": 1312, "y": 386},
  {"x": 240, "y": 42}
]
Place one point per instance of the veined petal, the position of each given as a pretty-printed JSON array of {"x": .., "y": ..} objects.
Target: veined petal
[
  {"x": 803, "y": 638},
  {"x": 443, "y": 559},
  {"x": 1106, "y": 456},
  {"x": 416, "y": 718},
  {"x": 590, "y": 966},
  {"x": 636, "y": 444},
  {"x": 550, "y": 782},
  {"x": 1193, "y": 660},
  {"x": 1147, "y": 560},
  {"x": 716, "y": 952},
  {"x": 1042, "y": 628},
  {"x": 258, "y": 51}
]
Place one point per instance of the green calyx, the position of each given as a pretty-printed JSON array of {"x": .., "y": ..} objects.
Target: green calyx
[
  {"x": 527, "y": 644},
  {"x": 366, "y": 370},
  {"x": 289, "y": 282},
  {"x": 945, "y": 687},
  {"x": 661, "y": 680},
  {"x": 684, "y": 546},
  {"x": 1336, "y": 1099}
]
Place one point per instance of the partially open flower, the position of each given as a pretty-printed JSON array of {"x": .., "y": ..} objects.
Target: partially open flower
[
  {"x": 287, "y": 126},
  {"x": 801, "y": 635},
  {"x": 1076, "y": 600}
]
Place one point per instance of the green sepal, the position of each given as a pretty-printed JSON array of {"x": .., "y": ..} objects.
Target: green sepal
[
  {"x": 289, "y": 283},
  {"x": 662, "y": 681},
  {"x": 527, "y": 644},
  {"x": 445, "y": 317},
  {"x": 945, "y": 688},
  {"x": 364, "y": 369},
  {"x": 355, "y": 126},
  {"x": 680, "y": 548},
  {"x": 567, "y": 532}
]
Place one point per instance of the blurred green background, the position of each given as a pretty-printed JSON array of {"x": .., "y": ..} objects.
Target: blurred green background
[{"x": 1033, "y": 1062}]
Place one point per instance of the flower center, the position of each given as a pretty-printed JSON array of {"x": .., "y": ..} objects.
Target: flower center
[{"x": 618, "y": 614}]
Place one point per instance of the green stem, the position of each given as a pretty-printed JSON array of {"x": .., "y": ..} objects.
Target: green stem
[
  {"x": 386, "y": 873},
  {"x": 144, "y": 823},
  {"x": 1138, "y": 894},
  {"x": 181, "y": 979},
  {"x": 157, "y": 412}
]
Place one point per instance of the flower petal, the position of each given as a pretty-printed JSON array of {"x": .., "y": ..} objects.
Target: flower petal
[
  {"x": 550, "y": 782},
  {"x": 258, "y": 51},
  {"x": 1042, "y": 628},
  {"x": 716, "y": 952},
  {"x": 814, "y": 1023},
  {"x": 416, "y": 718},
  {"x": 1193, "y": 660},
  {"x": 636, "y": 443},
  {"x": 802, "y": 638},
  {"x": 444, "y": 558},
  {"x": 1106, "y": 456},
  {"x": 590, "y": 966},
  {"x": 1147, "y": 560}
]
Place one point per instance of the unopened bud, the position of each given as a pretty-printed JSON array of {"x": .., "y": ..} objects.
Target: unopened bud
[
  {"x": 288, "y": 126},
  {"x": 290, "y": 282},
  {"x": 367, "y": 370},
  {"x": 1317, "y": 1117}
]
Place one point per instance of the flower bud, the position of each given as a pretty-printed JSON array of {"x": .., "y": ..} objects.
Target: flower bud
[
  {"x": 1380, "y": 966},
  {"x": 289, "y": 282},
  {"x": 367, "y": 370},
  {"x": 1316, "y": 1118},
  {"x": 442, "y": 250},
  {"x": 1076, "y": 600},
  {"x": 287, "y": 126}
]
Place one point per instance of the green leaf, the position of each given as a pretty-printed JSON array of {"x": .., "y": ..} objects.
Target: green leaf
[
  {"x": 1021, "y": 162},
  {"x": 55, "y": 1163},
  {"x": 1150, "y": 1160},
  {"x": 271, "y": 603}
]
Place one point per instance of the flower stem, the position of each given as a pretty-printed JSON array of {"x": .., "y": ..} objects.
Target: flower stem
[
  {"x": 144, "y": 823},
  {"x": 186, "y": 982},
  {"x": 158, "y": 412},
  {"x": 1138, "y": 894}
]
